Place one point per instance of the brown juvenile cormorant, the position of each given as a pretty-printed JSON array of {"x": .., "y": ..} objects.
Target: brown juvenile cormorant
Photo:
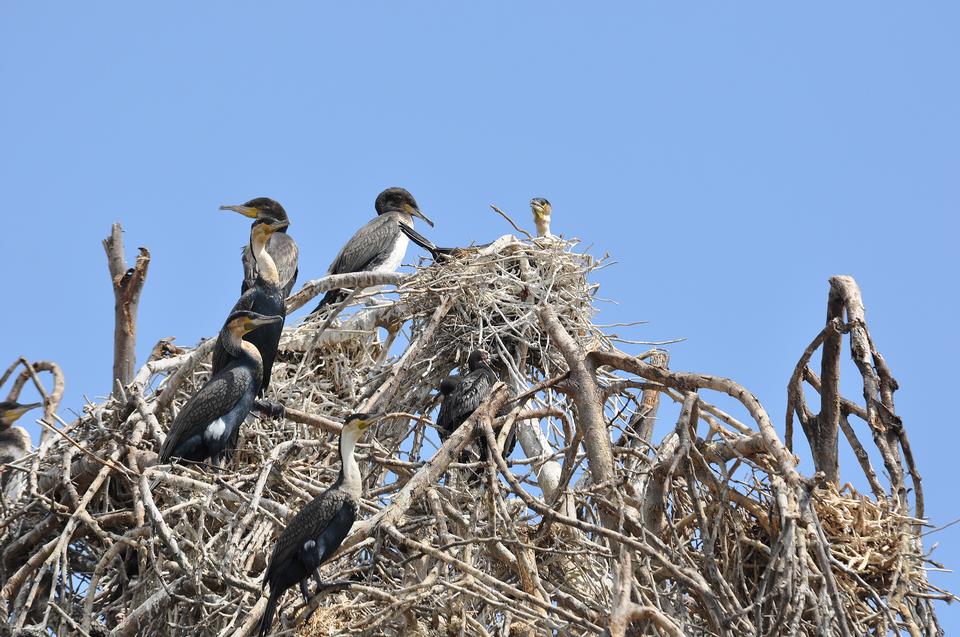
[
  {"x": 542, "y": 210},
  {"x": 320, "y": 527},
  {"x": 281, "y": 246},
  {"x": 210, "y": 418},
  {"x": 264, "y": 297},
  {"x": 14, "y": 441},
  {"x": 379, "y": 246}
]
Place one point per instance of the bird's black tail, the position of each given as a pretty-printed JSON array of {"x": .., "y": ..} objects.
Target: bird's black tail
[
  {"x": 331, "y": 297},
  {"x": 266, "y": 621}
]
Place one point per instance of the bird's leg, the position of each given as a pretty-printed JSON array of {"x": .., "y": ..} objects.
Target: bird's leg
[
  {"x": 305, "y": 591},
  {"x": 216, "y": 462},
  {"x": 269, "y": 408}
]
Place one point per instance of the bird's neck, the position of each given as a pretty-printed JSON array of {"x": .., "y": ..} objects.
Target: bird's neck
[
  {"x": 403, "y": 217},
  {"x": 265, "y": 264},
  {"x": 543, "y": 225},
  {"x": 239, "y": 348},
  {"x": 350, "y": 479}
]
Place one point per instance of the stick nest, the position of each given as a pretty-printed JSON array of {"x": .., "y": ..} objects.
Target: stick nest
[{"x": 708, "y": 531}]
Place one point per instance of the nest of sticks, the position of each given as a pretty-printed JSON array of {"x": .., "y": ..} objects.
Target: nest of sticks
[{"x": 590, "y": 526}]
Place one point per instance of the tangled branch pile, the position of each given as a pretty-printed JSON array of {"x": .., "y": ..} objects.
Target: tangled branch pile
[{"x": 590, "y": 526}]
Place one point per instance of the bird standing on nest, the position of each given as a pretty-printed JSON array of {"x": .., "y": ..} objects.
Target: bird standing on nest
[
  {"x": 542, "y": 210},
  {"x": 264, "y": 297},
  {"x": 210, "y": 418},
  {"x": 379, "y": 246},
  {"x": 14, "y": 441},
  {"x": 281, "y": 246},
  {"x": 319, "y": 528}
]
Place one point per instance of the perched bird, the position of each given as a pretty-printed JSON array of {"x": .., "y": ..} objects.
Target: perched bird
[
  {"x": 210, "y": 418},
  {"x": 542, "y": 210},
  {"x": 263, "y": 297},
  {"x": 281, "y": 246},
  {"x": 319, "y": 528},
  {"x": 14, "y": 441},
  {"x": 379, "y": 246},
  {"x": 462, "y": 395}
]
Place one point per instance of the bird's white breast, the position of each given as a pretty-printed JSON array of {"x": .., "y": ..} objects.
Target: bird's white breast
[
  {"x": 395, "y": 258},
  {"x": 215, "y": 429}
]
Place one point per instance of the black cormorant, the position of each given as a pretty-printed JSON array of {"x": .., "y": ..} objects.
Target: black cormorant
[
  {"x": 320, "y": 527},
  {"x": 264, "y": 297},
  {"x": 462, "y": 395},
  {"x": 281, "y": 246},
  {"x": 209, "y": 419},
  {"x": 379, "y": 246},
  {"x": 14, "y": 441},
  {"x": 542, "y": 210}
]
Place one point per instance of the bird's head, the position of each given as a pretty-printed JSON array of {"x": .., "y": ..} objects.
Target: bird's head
[
  {"x": 478, "y": 357},
  {"x": 263, "y": 210},
  {"x": 356, "y": 424},
  {"x": 10, "y": 411},
  {"x": 239, "y": 323},
  {"x": 261, "y": 230},
  {"x": 541, "y": 209},
  {"x": 399, "y": 200}
]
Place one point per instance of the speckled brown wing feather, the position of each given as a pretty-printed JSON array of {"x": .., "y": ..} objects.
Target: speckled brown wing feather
[
  {"x": 308, "y": 524},
  {"x": 213, "y": 400}
]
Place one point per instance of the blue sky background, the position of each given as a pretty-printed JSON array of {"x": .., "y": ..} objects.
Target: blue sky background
[{"x": 730, "y": 156}]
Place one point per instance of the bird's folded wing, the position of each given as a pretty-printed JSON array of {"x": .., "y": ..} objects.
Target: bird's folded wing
[
  {"x": 215, "y": 399},
  {"x": 369, "y": 246},
  {"x": 308, "y": 524}
]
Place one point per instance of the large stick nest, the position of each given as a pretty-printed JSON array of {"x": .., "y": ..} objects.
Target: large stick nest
[{"x": 709, "y": 531}]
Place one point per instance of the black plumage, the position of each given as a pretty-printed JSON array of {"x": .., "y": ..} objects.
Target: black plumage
[
  {"x": 264, "y": 297},
  {"x": 281, "y": 246},
  {"x": 212, "y": 416},
  {"x": 438, "y": 254},
  {"x": 465, "y": 393},
  {"x": 378, "y": 246},
  {"x": 318, "y": 529}
]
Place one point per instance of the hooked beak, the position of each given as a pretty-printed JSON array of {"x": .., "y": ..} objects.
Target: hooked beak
[
  {"x": 254, "y": 323},
  {"x": 416, "y": 213},
  {"x": 246, "y": 211}
]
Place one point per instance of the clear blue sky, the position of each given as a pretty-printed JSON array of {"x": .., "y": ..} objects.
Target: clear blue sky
[{"x": 730, "y": 156}]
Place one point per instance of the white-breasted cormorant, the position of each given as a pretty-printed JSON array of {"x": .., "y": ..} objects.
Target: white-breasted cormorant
[
  {"x": 379, "y": 246},
  {"x": 14, "y": 441},
  {"x": 320, "y": 527},
  {"x": 209, "y": 419},
  {"x": 281, "y": 246},
  {"x": 264, "y": 297},
  {"x": 542, "y": 210}
]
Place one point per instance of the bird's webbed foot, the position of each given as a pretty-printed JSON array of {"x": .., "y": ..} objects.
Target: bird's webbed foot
[
  {"x": 270, "y": 408},
  {"x": 305, "y": 591}
]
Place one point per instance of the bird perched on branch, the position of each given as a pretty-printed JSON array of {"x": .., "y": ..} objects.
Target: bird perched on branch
[
  {"x": 542, "y": 210},
  {"x": 462, "y": 395},
  {"x": 212, "y": 416},
  {"x": 14, "y": 441},
  {"x": 379, "y": 246},
  {"x": 281, "y": 246},
  {"x": 264, "y": 297},
  {"x": 319, "y": 528}
]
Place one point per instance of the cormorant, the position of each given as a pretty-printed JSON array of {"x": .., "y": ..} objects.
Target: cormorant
[
  {"x": 211, "y": 417},
  {"x": 14, "y": 441},
  {"x": 264, "y": 297},
  {"x": 462, "y": 395},
  {"x": 281, "y": 246},
  {"x": 379, "y": 246},
  {"x": 320, "y": 527},
  {"x": 542, "y": 210}
]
